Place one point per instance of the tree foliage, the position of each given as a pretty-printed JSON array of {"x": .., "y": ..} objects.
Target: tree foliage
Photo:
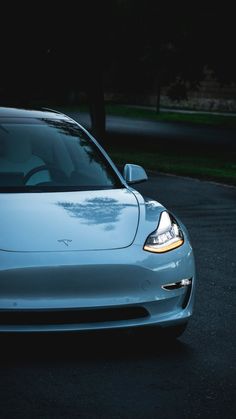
[{"x": 127, "y": 45}]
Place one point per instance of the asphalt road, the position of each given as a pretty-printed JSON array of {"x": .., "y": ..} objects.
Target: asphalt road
[
  {"x": 119, "y": 375},
  {"x": 174, "y": 131}
]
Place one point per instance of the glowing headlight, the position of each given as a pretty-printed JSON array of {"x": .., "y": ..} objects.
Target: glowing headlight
[{"x": 167, "y": 236}]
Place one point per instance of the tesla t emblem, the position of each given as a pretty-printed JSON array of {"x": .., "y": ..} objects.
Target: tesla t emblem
[{"x": 65, "y": 241}]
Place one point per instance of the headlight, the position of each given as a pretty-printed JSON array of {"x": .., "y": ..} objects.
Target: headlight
[{"x": 167, "y": 236}]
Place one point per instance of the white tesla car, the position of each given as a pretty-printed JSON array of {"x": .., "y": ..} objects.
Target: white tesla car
[{"x": 80, "y": 249}]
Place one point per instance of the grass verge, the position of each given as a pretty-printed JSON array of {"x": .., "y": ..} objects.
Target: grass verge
[
  {"x": 205, "y": 169},
  {"x": 224, "y": 172},
  {"x": 213, "y": 167}
]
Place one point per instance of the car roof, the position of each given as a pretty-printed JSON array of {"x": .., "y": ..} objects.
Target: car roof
[{"x": 13, "y": 112}]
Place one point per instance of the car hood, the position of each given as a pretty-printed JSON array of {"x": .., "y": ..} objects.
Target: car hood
[{"x": 67, "y": 221}]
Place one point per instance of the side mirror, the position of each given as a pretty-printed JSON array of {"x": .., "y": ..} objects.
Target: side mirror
[{"x": 134, "y": 173}]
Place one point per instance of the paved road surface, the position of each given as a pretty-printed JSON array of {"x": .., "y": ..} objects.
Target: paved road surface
[
  {"x": 185, "y": 111},
  {"x": 197, "y": 134},
  {"x": 125, "y": 376}
]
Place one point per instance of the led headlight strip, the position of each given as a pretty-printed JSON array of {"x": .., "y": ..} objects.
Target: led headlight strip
[{"x": 167, "y": 236}]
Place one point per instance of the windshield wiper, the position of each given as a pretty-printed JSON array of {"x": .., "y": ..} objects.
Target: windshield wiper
[{"x": 20, "y": 189}]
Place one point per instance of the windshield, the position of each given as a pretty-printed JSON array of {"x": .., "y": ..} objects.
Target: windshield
[{"x": 51, "y": 155}]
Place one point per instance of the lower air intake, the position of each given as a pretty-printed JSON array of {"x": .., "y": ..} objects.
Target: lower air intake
[{"x": 47, "y": 317}]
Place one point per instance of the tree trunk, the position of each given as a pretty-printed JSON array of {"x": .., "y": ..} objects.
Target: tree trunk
[
  {"x": 97, "y": 106},
  {"x": 158, "y": 91}
]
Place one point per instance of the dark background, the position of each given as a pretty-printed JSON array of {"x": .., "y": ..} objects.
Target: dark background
[
  {"x": 69, "y": 57},
  {"x": 68, "y": 54}
]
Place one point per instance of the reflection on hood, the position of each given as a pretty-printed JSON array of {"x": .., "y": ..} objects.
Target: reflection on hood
[{"x": 102, "y": 210}]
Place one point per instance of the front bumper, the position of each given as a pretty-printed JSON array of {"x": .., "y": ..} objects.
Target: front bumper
[{"x": 107, "y": 284}]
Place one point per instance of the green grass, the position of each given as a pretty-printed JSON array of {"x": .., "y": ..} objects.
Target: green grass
[{"x": 214, "y": 167}]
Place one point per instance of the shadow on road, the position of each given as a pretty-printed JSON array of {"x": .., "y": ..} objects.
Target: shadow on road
[{"x": 102, "y": 345}]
